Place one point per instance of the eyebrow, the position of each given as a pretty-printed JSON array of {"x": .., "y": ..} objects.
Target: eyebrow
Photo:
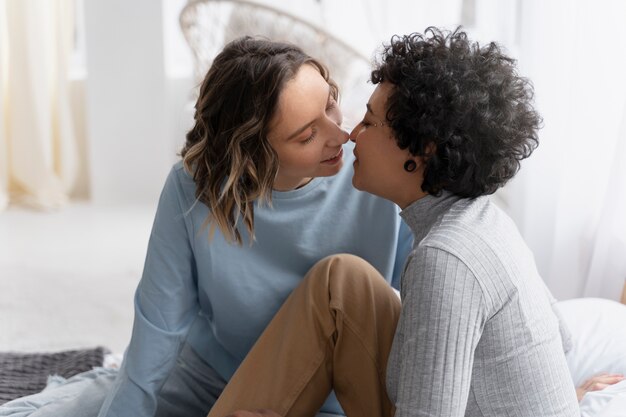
[{"x": 306, "y": 126}]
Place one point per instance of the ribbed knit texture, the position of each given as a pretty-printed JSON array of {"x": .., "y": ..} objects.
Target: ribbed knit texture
[{"x": 477, "y": 335}]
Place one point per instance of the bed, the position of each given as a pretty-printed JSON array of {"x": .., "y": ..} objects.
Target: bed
[{"x": 598, "y": 329}]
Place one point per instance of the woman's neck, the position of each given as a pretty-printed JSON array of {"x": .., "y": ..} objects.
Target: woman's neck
[{"x": 289, "y": 184}]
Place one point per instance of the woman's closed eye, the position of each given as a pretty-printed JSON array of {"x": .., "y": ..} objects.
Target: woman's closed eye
[
  {"x": 310, "y": 138},
  {"x": 333, "y": 110}
]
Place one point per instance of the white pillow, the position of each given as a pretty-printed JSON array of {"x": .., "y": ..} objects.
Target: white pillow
[
  {"x": 598, "y": 328},
  {"x": 610, "y": 402}
]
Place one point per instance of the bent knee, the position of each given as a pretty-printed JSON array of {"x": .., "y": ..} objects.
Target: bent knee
[
  {"x": 344, "y": 279},
  {"x": 348, "y": 267},
  {"x": 345, "y": 261}
]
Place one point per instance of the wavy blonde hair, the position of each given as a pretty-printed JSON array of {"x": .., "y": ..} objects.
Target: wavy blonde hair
[{"x": 227, "y": 151}]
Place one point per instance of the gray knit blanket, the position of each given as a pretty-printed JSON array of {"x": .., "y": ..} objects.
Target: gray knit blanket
[{"x": 27, "y": 373}]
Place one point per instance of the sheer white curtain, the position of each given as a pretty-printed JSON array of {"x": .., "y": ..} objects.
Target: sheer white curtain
[
  {"x": 37, "y": 144},
  {"x": 569, "y": 196},
  {"x": 607, "y": 268}
]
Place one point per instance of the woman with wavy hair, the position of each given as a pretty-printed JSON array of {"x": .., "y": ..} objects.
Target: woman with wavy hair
[
  {"x": 261, "y": 194},
  {"x": 259, "y": 197},
  {"x": 447, "y": 125}
]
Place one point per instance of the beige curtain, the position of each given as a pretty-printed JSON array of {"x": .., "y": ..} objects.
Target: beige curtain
[
  {"x": 38, "y": 153},
  {"x": 4, "y": 168}
]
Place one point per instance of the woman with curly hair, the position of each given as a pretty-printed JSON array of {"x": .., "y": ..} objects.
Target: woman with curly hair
[{"x": 448, "y": 124}]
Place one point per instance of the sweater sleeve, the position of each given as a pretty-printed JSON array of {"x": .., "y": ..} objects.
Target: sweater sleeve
[
  {"x": 166, "y": 303},
  {"x": 443, "y": 315}
]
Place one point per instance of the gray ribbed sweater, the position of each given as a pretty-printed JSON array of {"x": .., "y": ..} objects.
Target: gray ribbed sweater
[{"x": 477, "y": 335}]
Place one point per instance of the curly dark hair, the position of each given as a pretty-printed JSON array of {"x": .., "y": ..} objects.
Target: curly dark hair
[{"x": 466, "y": 100}]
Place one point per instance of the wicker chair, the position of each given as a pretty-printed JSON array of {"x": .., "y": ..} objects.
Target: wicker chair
[{"x": 208, "y": 25}]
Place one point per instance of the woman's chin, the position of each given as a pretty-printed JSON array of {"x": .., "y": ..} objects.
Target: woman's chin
[{"x": 356, "y": 183}]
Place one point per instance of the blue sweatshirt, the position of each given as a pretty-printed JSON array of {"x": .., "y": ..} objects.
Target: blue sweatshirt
[{"x": 219, "y": 297}]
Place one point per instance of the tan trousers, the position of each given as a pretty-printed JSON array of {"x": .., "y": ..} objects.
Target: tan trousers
[{"x": 334, "y": 332}]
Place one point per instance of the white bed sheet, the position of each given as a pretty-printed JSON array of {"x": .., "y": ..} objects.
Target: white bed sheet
[{"x": 598, "y": 329}]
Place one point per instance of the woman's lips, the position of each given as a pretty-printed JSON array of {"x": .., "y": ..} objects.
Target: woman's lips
[{"x": 334, "y": 159}]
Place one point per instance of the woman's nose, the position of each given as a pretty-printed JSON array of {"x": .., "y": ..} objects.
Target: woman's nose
[
  {"x": 338, "y": 135},
  {"x": 355, "y": 132},
  {"x": 344, "y": 136}
]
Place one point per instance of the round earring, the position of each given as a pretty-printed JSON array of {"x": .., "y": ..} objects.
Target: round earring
[{"x": 410, "y": 165}]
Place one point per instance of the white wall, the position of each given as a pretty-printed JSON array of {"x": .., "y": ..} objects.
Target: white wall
[{"x": 126, "y": 98}]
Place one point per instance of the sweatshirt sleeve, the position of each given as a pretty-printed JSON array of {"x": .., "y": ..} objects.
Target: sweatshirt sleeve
[
  {"x": 166, "y": 303},
  {"x": 443, "y": 315},
  {"x": 405, "y": 244}
]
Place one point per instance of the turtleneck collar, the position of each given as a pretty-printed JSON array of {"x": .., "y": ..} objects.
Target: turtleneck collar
[{"x": 422, "y": 214}]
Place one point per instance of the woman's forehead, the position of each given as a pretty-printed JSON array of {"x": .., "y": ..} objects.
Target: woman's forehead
[
  {"x": 378, "y": 99},
  {"x": 301, "y": 100},
  {"x": 307, "y": 84}
]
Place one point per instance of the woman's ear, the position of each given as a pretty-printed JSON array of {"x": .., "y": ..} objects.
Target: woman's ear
[
  {"x": 410, "y": 165},
  {"x": 414, "y": 163}
]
